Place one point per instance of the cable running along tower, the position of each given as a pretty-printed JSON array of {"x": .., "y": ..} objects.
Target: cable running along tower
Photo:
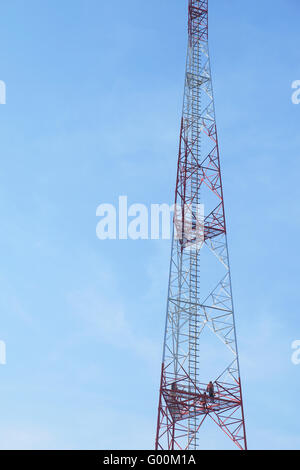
[{"x": 200, "y": 337}]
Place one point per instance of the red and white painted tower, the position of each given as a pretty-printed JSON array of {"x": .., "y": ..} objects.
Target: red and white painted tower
[{"x": 200, "y": 338}]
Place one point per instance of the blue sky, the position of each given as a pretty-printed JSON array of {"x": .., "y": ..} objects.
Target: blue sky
[{"x": 94, "y": 94}]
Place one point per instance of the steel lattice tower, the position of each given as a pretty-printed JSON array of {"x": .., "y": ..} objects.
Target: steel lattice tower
[{"x": 197, "y": 305}]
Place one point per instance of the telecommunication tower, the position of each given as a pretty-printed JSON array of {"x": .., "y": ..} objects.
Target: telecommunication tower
[{"x": 200, "y": 343}]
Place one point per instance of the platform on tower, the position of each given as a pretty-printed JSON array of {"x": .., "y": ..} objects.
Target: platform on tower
[{"x": 184, "y": 403}]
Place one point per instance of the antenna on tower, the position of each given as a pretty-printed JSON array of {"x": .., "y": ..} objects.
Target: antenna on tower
[{"x": 200, "y": 376}]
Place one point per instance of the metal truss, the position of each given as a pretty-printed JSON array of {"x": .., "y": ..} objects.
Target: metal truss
[{"x": 191, "y": 308}]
